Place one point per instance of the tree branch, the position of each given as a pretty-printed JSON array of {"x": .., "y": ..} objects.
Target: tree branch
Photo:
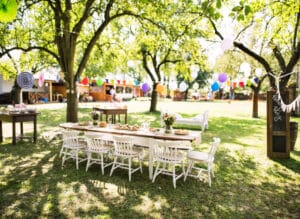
[{"x": 279, "y": 58}]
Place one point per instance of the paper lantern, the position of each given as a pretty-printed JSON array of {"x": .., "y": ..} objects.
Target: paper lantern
[
  {"x": 183, "y": 86},
  {"x": 106, "y": 80},
  {"x": 234, "y": 85},
  {"x": 118, "y": 81},
  {"x": 99, "y": 81},
  {"x": 145, "y": 87},
  {"x": 226, "y": 44},
  {"x": 173, "y": 85},
  {"x": 242, "y": 84},
  {"x": 124, "y": 82},
  {"x": 195, "y": 86},
  {"x": 113, "y": 81},
  {"x": 85, "y": 81},
  {"x": 25, "y": 80},
  {"x": 215, "y": 86},
  {"x": 41, "y": 79},
  {"x": 222, "y": 77},
  {"x": 159, "y": 88},
  {"x": 258, "y": 72},
  {"x": 215, "y": 76},
  {"x": 256, "y": 80}
]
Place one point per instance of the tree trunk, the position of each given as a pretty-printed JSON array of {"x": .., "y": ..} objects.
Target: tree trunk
[
  {"x": 153, "y": 98},
  {"x": 72, "y": 104},
  {"x": 255, "y": 103}
]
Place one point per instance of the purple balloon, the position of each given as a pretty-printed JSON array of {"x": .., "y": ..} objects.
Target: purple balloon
[
  {"x": 222, "y": 77},
  {"x": 145, "y": 87}
]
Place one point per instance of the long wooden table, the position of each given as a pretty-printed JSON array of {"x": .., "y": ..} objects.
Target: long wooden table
[
  {"x": 21, "y": 117},
  {"x": 113, "y": 111},
  {"x": 143, "y": 138}
]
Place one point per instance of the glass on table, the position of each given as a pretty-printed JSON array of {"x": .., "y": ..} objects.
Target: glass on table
[{"x": 145, "y": 126}]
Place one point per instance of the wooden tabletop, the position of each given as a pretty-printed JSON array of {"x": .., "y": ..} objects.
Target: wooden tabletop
[{"x": 159, "y": 134}]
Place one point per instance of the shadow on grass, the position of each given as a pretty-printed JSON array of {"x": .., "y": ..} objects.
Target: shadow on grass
[{"x": 36, "y": 185}]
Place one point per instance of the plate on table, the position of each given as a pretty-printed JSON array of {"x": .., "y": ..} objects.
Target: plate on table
[
  {"x": 83, "y": 123},
  {"x": 181, "y": 132}
]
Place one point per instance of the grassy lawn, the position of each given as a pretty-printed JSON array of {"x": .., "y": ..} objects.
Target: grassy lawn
[{"x": 247, "y": 184}]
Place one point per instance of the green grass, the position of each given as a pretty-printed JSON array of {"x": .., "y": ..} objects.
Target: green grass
[{"x": 247, "y": 184}]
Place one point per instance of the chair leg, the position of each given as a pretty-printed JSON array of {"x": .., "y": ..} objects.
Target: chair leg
[
  {"x": 113, "y": 166},
  {"x": 77, "y": 161},
  {"x": 140, "y": 161},
  {"x": 129, "y": 168},
  {"x": 156, "y": 171},
  {"x": 102, "y": 164},
  {"x": 174, "y": 176},
  {"x": 189, "y": 168},
  {"x": 209, "y": 176},
  {"x": 88, "y": 162}
]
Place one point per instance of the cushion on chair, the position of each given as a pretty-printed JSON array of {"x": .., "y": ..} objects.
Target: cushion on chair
[{"x": 197, "y": 155}]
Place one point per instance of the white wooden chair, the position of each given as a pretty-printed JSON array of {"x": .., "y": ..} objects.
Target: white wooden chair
[
  {"x": 169, "y": 154},
  {"x": 202, "y": 157},
  {"x": 72, "y": 145},
  {"x": 99, "y": 146},
  {"x": 124, "y": 150}
]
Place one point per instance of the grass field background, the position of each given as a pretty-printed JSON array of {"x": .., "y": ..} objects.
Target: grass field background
[{"x": 247, "y": 184}]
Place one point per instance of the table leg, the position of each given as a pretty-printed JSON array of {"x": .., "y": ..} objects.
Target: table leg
[
  {"x": 21, "y": 129},
  {"x": 125, "y": 118},
  {"x": 13, "y": 132},
  {"x": 1, "y": 134},
  {"x": 34, "y": 130}
]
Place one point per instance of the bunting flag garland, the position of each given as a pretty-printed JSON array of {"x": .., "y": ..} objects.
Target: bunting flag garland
[
  {"x": 286, "y": 107},
  {"x": 41, "y": 79}
]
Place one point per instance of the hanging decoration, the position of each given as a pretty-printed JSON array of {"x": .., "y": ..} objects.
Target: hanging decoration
[
  {"x": 25, "y": 80},
  {"x": 85, "y": 81},
  {"x": 183, "y": 86},
  {"x": 8, "y": 10},
  {"x": 215, "y": 86},
  {"x": 286, "y": 107},
  {"x": 248, "y": 83},
  {"x": 173, "y": 85},
  {"x": 99, "y": 81},
  {"x": 215, "y": 76},
  {"x": 112, "y": 82},
  {"x": 226, "y": 44},
  {"x": 145, "y": 87},
  {"x": 106, "y": 80},
  {"x": 241, "y": 84},
  {"x": 41, "y": 79},
  {"x": 195, "y": 86},
  {"x": 118, "y": 81},
  {"x": 222, "y": 77}
]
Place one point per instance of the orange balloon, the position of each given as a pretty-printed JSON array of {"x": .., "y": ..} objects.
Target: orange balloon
[{"x": 159, "y": 88}]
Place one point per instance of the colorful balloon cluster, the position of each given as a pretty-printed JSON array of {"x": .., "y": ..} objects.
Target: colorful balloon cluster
[{"x": 218, "y": 78}]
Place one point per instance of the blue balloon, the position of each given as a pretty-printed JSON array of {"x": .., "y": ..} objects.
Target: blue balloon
[{"x": 215, "y": 86}]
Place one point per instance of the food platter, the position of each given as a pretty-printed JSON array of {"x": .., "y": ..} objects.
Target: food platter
[{"x": 181, "y": 132}]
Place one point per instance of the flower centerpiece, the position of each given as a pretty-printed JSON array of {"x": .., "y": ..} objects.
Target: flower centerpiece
[
  {"x": 168, "y": 119},
  {"x": 95, "y": 117}
]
